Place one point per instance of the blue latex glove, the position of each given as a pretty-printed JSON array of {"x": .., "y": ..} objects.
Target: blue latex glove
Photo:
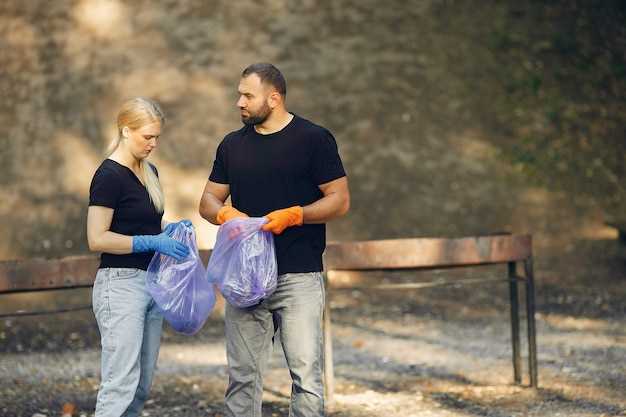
[
  {"x": 169, "y": 229},
  {"x": 160, "y": 243}
]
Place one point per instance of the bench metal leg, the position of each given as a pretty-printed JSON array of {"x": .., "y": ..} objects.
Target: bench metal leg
[
  {"x": 329, "y": 372},
  {"x": 530, "y": 316},
  {"x": 515, "y": 339}
]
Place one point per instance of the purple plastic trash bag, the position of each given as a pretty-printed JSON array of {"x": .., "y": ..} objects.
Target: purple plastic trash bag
[
  {"x": 243, "y": 262},
  {"x": 180, "y": 289}
]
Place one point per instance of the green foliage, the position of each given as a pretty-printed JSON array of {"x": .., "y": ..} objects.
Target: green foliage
[{"x": 562, "y": 102}]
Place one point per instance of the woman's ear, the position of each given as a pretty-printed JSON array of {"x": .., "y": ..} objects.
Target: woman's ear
[{"x": 125, "y": 132}]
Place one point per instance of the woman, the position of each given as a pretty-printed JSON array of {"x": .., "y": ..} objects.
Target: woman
[{"x": 124, "y": 222}]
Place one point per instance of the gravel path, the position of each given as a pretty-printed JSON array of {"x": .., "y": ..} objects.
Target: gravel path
[{"x": 407, "y": 367}]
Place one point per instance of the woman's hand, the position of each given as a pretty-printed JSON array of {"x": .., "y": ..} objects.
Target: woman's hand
[
  {"x": 169, "y": 228},
  {"x": 161, "y": 243}
]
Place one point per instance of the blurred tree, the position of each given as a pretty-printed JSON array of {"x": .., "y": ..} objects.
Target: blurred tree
[{"x": 559, "y": 95}]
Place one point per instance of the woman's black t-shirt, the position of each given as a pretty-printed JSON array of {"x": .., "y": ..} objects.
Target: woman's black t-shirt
[
  {"x": 280, "y": 170},
  {"x": 116, "y": 186}
]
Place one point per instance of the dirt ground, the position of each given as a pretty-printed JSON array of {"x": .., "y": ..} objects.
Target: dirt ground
[{"x": 441, "y": 351}]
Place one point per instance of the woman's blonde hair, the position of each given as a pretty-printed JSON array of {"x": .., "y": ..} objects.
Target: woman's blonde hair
[{"x": 136, "y": 113}]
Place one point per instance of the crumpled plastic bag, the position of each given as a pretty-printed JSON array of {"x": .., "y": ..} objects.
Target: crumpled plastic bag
[
  {"x": 180, "y": 289},
  {"x": 243, "y": 262}
]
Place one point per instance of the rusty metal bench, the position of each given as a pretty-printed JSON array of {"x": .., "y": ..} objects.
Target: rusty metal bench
[
  {"x": 406, "y": 254},
  {"x": 620, "y": 226},
  {"x": 425, "y": 253}
]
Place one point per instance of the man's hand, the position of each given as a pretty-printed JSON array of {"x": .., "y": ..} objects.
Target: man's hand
[
  {"x": 281, "y": 219},
  {"x": 227, "y": 213}
]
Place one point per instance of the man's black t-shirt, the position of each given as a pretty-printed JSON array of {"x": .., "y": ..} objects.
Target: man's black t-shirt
[
  {"x": 280, "y": 170},
  {"x": 116, "y": 186}
]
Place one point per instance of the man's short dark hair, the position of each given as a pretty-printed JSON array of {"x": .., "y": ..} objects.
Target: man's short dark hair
[{"x": 268, "y": 74}]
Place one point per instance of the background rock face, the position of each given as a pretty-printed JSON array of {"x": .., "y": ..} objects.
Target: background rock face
[{"x": 451, "y": 120}]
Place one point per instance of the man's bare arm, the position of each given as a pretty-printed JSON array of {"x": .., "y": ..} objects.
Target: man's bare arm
[
  {"x": 335, "y": 203},
  {"x": 212, "y": 200}
]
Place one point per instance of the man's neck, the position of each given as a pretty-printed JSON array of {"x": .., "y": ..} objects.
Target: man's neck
[{"x": 276, "y": 122}]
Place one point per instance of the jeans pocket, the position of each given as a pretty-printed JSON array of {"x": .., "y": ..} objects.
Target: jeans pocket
[
  {"x": 97, "y": 291},
  {"x": 124, "y": 273},
  {"x": 322, "y": 282},
  {"x": 100, "y": 299},
  {"x": 320, "y": 278}
]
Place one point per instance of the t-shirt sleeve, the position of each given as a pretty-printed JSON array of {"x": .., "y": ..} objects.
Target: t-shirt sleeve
[
  {"x": 105, "y": 189},
  {"x": 326, "y": 163},
  {"x": 219, "y": 172}
]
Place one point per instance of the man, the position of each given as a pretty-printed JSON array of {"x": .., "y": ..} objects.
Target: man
[{"x": 285, "y": 168}]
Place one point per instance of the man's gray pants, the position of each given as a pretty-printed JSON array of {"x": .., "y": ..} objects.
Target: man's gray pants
[{"x": 296, "y": 309}]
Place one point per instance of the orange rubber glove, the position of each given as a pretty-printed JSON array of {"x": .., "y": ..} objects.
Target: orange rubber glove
[
  {"x": 281, "y": 219},
  {"x": 227, "y": 213}
]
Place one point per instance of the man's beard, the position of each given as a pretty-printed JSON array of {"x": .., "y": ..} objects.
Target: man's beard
[{"x": 259, "y": 117}]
